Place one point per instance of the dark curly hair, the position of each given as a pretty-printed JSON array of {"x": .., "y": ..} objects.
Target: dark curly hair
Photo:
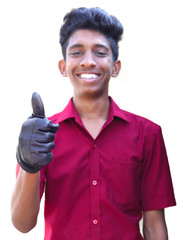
[{"x": 94, "y": 19}]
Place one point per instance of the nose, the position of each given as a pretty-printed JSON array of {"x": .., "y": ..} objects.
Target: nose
[{"x": 88, "y": 60}]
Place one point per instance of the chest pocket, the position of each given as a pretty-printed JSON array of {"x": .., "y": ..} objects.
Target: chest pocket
[{"x": 123, "y": 184}]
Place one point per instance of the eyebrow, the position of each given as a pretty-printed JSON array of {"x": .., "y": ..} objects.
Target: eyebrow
[
  {"x": 95, "y": 45},
  {"x": 75, "y": 46},
  {"x": 103, "y": 46}
]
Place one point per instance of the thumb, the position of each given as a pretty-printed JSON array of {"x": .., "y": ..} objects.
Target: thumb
[{"x": 37, "y": 106}]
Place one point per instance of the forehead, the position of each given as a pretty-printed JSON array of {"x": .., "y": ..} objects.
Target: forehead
[{"x": 87, "y": 37}]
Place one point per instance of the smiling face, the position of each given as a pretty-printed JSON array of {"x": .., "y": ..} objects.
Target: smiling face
[{"x": 89, "y": 63}]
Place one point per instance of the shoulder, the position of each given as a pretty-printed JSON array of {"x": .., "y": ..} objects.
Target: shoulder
[
  {"x": 66, "y": 113},
  {"x": 134, "y": 120},
  {"x": 138, "y": 121},
  {"x": 143, "y": 128},
  {"x": 55, "y": 117}
]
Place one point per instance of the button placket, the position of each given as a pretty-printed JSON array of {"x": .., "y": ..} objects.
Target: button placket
[{"x": 94, "y": 192}]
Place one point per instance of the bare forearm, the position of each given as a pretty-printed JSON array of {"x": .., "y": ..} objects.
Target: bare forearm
[
  {"x": 154, "y": 225},
  {"x": 155, "y": 235},
  {"x": 25, "y": 201}
]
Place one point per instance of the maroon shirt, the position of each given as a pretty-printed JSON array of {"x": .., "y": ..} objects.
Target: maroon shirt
[{"x": 96, "y": 189}]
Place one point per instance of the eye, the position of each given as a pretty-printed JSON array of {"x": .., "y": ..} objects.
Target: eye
[
  {"x": 76, "y": 53},
  {"x": 100, "y": 53}
]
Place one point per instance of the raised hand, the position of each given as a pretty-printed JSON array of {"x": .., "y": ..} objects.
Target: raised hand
[{"x": 36, "y": 139}]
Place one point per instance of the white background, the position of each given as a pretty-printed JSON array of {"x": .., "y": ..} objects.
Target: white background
[{"x": 150, "y": 83}]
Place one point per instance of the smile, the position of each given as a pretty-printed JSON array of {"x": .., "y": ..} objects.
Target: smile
[{"x": 89, "y": 76}]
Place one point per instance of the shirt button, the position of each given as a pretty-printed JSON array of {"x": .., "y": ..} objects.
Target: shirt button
[
  {"x": 94, "y": 182},
  {"x": 95, "y": 221},
  {"x": 94, "y": 145}
]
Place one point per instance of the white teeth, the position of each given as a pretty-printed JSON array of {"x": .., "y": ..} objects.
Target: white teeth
[{"x": 88, "y": 76}]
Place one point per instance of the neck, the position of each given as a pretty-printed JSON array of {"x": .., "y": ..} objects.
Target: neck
[{"x": 89, "y": 108}]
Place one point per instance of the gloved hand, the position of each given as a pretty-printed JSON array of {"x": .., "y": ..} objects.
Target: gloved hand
[{"x": 36, "y": 139}]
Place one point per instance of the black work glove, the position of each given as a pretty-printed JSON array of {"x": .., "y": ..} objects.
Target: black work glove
[{"x": 36, "y": 139}]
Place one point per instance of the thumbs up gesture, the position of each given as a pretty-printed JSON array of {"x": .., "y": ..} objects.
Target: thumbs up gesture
[{"x": 36, "y": 139}]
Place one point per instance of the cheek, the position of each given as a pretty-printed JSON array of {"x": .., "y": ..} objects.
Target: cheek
[
  {"x": 70, "y": 69},
  {"x": 109, "y": 69},
  {"x": 108, "y": 65}
]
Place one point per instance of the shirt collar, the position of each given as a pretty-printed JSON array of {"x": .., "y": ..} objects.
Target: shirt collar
[
  {"x": 71, "y": 112},
  {"x": 115, "y": 111},
  {"x": 68, "y": 112}
]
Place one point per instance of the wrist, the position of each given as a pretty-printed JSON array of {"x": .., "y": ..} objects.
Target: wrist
[{"x": 26, "y": 166}]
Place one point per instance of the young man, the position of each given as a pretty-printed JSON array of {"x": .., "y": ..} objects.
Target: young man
[{"x": 109, "y": 166}]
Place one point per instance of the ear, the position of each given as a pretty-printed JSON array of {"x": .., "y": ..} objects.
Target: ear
[
  {"x": 116, "y": 68},
  {"x": 62, "y": 68}
]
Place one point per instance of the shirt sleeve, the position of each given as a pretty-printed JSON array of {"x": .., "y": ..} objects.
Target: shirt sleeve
[{"x": 156, "y": 183}]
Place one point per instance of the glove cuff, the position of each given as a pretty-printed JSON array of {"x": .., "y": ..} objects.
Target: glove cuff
[{"x": 25, "y": 166}]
